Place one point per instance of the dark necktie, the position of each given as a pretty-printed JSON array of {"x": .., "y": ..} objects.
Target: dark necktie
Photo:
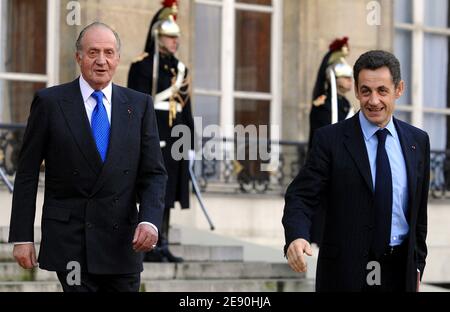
[
  {"x": 100, "y": 125},
  {"x": 383, "y": 197}
]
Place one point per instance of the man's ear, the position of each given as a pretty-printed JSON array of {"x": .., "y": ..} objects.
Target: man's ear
[
  {"x": 399, "y": 89},
  {"x": 78, "y": 57}
]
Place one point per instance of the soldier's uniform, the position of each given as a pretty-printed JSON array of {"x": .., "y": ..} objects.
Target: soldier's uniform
[{"x": 172, "y": 104}]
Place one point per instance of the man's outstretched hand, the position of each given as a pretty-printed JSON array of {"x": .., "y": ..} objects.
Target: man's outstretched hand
[{"x": 295, "y": 254}]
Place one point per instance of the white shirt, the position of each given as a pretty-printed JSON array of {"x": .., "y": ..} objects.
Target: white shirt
[
  {"x": 89, "y": 105},
  {"x": 90, "y": 102}
]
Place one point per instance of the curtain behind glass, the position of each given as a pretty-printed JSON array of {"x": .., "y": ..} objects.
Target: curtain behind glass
[
  {"x": 25, "y": 52},
  {"x": 207, "y": 47},
  {"x": 435, "y": 82},
  {"x": 403, "y": 11},
  {"x": 436, "y": 13},
  {"x": 403, "y": 51}
]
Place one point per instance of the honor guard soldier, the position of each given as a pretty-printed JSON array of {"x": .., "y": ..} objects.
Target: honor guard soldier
[{"x": 159, "y": 73}]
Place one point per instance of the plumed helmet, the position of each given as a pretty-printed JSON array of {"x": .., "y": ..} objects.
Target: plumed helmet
[
  {"x": 337, "y": 50},
  {"x": 163, "y": 24},
  {"x": 342, "y": 69}
]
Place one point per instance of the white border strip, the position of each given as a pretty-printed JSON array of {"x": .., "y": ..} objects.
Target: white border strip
[
  {"x": 253, "y": 96},
  {"x": 53, "y": 31},
  {"x": 24, "y": 77},
  {"x": 209, "y": 2},
  {"x": 254, "y": 7}
]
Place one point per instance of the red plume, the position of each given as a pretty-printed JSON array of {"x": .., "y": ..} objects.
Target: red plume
[
  {"x": 169, "y": 3},
  {"x": 338, "y": 44}
]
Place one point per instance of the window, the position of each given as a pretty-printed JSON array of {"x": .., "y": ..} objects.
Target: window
[
  {"x": 28, "y": 54},
  {"x": 237, "y": 61},
  {"x": 421, "y": 43},
  {"x": 237, "y": 69}
]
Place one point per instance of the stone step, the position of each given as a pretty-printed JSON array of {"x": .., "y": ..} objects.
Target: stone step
[
  {"x": 254, "y": 285},
  {"x": 30, "y": 287},
  {"x": 174, "y": 234},
  {"x": 217, "y": 270},
  {"x": 188, "y": 252},
  {"x": 208, "y": 253},
  {"x": 232, "y": 285},
  {"x": 437, "y": 269},
  {"x": 10, "y": 271},
  {"x": 250, "y": 285}
]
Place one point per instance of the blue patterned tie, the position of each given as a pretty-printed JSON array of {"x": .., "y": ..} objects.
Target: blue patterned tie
[
  {"x": 100, "y": 125},
  {"x": 383, "y": 197}
]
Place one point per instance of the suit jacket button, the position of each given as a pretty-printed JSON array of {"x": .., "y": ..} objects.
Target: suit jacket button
[
  {"x": 116, "y": 200},
  {"x": 115, "y": 226},
  {"x": 88, "y": 225},
  {"x": 126, "y": 171},
  {"x": 75, "y": 172}
]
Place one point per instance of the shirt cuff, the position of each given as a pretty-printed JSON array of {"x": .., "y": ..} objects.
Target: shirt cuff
[
  {"x": 22, "y": 243},
  {"x": 152, "y": 225}
]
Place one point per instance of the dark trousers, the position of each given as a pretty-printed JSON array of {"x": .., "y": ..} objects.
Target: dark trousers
[
  {"x": 392, "y": 270},
  {"x": 163, "y": 241},
  {"x": 101, "y": 283}
]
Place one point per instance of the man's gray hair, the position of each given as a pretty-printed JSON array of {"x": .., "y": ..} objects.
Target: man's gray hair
[{"x": 78, "y": 44}]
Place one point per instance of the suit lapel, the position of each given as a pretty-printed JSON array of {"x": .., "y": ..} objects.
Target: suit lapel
[
  {"x": 73, "y": 109},
  {"x": 120, "y": 118},
  {"x": 354, "y": 142},
  {"x": 409, "y": 147}
]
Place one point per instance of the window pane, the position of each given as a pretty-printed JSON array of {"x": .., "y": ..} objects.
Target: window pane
[
  {"x": 261, "y": 2},
  {"x": 435, "y": 71},
  {"x": 403, "y": 50},
  {"x": 436, "y": 13},
  {"x": 207, "y": 47},
  {"x": 208, "y": 108},
  {"x": 16, "y": 100},
  {"x": 251, "y": 112},
  {"x": 248, "y": 113},
  {"x": 253, "y": 40},
  {"x": 26, "y": 37},
  {"x": 436, "y": 126},
  {"x": 403, "y": 11}
]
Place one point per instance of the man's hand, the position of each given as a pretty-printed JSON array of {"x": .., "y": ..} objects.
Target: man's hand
[
  {"x": 25, "y": 255},
  {"x": 145, "y": 238},
  {"x": 295, "y": 254}
]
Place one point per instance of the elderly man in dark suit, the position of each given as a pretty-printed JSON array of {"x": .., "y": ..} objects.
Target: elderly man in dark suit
[
  {"x": 101, "y": 150},
  {"x": 374, "y": 170}
]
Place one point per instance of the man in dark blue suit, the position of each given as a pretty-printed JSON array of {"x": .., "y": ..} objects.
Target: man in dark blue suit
[
  {"x": 374, "y": 170},
  {"x": 101, "y": 150}
]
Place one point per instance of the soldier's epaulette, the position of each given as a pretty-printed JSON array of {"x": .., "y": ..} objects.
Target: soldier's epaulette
[{"x": 140, "y": 57}]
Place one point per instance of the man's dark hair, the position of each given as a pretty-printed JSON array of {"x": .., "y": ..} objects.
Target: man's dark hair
[{"x": 376, "y": 59}]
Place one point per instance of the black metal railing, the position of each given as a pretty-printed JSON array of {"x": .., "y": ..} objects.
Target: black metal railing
[
  {"x": 228, "y": 174},
  {"x": 232, "y": 176},
  {"x": 440, "y": 174},
  {"x": 10, "y": 142}
]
